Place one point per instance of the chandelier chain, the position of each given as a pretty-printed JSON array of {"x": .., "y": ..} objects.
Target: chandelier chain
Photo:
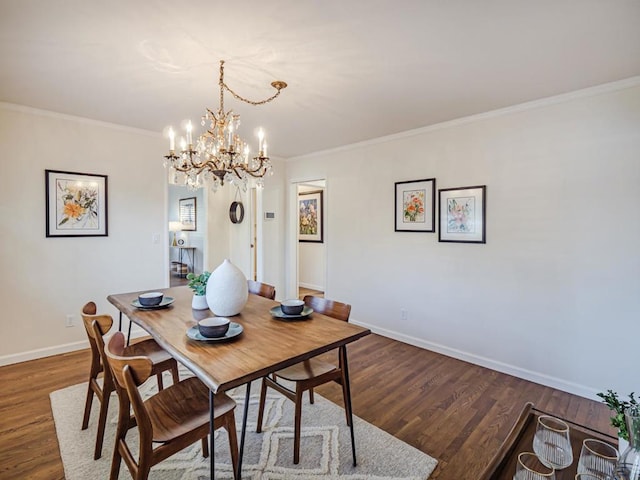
[{"x": 278, "y": 85}]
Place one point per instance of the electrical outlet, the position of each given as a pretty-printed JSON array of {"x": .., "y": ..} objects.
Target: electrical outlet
[
  {"x": 69, "y": 322},
  {"x": 403, "y": 314}
]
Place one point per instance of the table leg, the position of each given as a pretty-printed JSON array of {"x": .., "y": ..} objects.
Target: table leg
[
  {"x": 212, "y": 429},
  {"x": 247, "y": 396},
  {"x": 120, "y": 322},
  {"x": 348, "y": 401},
  {"x": 129, "y": 332}
]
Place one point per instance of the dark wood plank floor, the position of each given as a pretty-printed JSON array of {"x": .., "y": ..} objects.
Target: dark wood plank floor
[{"x": 454, "y": 411}]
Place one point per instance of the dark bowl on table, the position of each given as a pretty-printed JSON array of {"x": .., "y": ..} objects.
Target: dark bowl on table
[
  {"x": 213, "y": 327},
  {"x": 150, "y": 299},
  {"x": 292, "y": 307}
]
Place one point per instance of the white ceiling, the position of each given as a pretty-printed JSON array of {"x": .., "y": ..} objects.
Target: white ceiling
[{"x": 356, "y": 69}]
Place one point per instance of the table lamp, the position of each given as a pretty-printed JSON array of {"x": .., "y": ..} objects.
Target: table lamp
[{"x": 175, "y": 227}]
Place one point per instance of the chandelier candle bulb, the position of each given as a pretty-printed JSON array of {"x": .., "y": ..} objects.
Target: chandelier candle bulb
[
  {"x": 189, "y": 137},
  {"x": 172, "y": 140}
]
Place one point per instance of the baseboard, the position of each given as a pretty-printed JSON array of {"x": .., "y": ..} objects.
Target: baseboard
[
  {"x": 525, "y": 374},
  {"x": 136, "y": 332},
  {"x": 311, "y": 287}
]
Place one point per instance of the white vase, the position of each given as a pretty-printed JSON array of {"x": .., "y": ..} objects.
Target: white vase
[
  {"x": 227, "y": 290},
  {"x": 199, "y": 302}
]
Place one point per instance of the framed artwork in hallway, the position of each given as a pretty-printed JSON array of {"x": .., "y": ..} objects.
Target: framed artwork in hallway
[{"x": 310, "y": 217}]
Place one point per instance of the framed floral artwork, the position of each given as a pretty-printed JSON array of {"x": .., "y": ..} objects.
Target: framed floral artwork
[
  {"x": 310, "y": 217},
  {"x": 415, "y": 205},
  {"x": 463, "y": 214},
  {"x": 188, "y": 214},
  {"x": 76, "y": 204}
]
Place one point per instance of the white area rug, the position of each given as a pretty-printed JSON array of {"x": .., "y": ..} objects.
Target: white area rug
[{"x": 325, "y": 445}]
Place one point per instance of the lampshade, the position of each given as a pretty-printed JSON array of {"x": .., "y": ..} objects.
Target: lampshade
[{"x": 175, "y": 226}]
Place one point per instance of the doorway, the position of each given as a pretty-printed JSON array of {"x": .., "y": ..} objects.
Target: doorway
[
  {"x": 186, "y": 212},
  {"x": 311, "y": 238}
]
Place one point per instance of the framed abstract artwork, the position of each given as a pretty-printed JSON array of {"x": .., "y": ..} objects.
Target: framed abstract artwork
[
  {"x": 310, "y": 217},
  {"x": 188, "y": 214},
  {"x": 415, "y": 205},
  {"x": 76, "y": 204},
  {"x": 463, "y": 214}
]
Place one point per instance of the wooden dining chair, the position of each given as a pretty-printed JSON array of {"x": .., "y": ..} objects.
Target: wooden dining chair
[
  {"x": 308, "y": 374},
  {"x": 160, "y": 359},
  {"x": 172, "y": 419},
  {"x": 262, "y": 289}
]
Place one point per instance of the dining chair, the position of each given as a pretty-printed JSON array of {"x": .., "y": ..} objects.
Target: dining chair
[
  {"x": 262, "y": 289},
  {"x": 160, "y": 359},
  {"x": 308, "y": 374},
  {"x": 168, "y": 421}
]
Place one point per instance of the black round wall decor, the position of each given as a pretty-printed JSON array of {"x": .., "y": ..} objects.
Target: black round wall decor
[{"x": 236, "y": 212}]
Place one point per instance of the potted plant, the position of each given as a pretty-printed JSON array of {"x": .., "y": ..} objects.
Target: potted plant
[
  {"x": 620, "y": 407},
  {"x": 198, "y": 283}
]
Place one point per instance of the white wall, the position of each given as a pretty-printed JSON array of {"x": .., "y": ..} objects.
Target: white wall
[
  {"x": 554, "y": 295},
  {"x": 272, "y": 260},
  {"x": 44, "y": 279}
]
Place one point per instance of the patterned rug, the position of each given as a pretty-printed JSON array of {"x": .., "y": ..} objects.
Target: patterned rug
[{"x": 325, "y": 445}]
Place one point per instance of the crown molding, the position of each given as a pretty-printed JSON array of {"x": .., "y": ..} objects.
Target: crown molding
[
  {"x": 72, "y": 118},
  {"x": 521, "y": 107}
]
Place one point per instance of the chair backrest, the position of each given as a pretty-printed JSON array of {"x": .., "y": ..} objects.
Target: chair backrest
[
  {"x": 129, "y": 373},
  {"x": 262, "y": 289},
  {"x": 330, "y": 308},
  {"x": 96, "y": 342}
]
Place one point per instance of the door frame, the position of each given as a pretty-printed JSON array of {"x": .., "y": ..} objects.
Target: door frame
[{"x": 293, "y": 253}]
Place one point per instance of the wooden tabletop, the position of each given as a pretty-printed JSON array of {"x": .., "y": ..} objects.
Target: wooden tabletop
[{"x": 266, "y": 344}]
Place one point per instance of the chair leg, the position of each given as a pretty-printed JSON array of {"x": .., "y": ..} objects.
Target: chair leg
[
  {"x": 87, "y": 406},
  {"x": 205, "y": 447},
  {"x": 296, "y": 426},
  {"x": 102, "y": 420},
  {"x": 160, "y": 383},
  {"x": 263, "y": 395},
  {"x": 121, "y": 433},
  {"x": 174, "y": 373},
  {"x": 115, "y": 461},
  {"x": 311, "y": 395},
  {"x": 230, "y": 427}
]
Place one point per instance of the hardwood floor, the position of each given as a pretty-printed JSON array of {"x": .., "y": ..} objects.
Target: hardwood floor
[
  {"x": 456, "y": 412},
  {"x": 302, "y": 291}
]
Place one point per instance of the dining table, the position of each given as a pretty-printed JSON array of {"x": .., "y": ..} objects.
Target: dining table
[{"x": 266, "y": 344}]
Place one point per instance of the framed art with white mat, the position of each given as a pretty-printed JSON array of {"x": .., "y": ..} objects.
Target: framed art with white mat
[{"x": 462, "y": 215}]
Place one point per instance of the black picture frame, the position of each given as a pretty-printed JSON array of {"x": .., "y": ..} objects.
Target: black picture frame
[
  {"x": 463, "y": 214},
  {"x": 188, "y": 214},
  {"x": 310, "y": 214},
  {"x": 76, "y": 204},
  {"x": 415, "y": 206}
]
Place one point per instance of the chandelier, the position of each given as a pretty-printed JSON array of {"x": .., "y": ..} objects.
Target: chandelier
[{"x": 220, "y": 154}]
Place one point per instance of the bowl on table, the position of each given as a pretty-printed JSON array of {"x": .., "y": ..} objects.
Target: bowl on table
[
  {"x": 150, "y": 299},
  {"x": 213, "y": 327},
  {"x": 292, "y": 307}
]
